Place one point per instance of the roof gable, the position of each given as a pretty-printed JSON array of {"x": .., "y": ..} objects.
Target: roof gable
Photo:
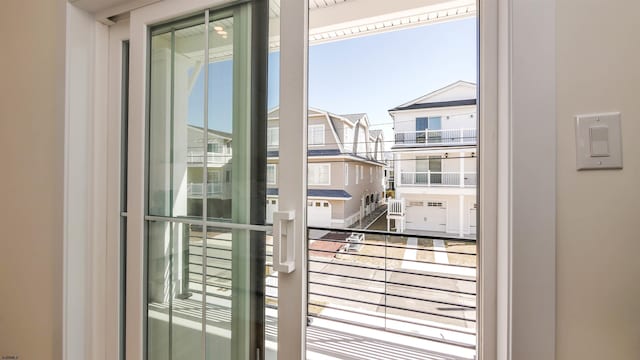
[{"x": 460, "y": 93}]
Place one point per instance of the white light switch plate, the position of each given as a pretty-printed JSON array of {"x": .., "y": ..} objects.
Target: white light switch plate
[{"x": 599, "y": 141}]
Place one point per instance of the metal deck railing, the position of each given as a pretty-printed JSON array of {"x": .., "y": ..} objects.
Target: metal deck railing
[{"x": 418, "y": 285}]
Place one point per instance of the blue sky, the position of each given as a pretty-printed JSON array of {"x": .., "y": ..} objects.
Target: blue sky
[{"x": 370, "y": 74}]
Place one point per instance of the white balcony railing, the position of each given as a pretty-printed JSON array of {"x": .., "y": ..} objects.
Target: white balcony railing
[
  {"x": 197, "y": 157},
  {"x": 432, "y": 178},
  {"x": 437, "y": 137},
  {"x": 195, "y": 190},
  {"x": 396, "y": 207}
]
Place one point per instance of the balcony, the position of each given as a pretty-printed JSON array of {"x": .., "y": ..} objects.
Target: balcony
[
  {"x": 214, "y": 159},
  {"x": 195, "y": 190},
  {"x": 438, "y": 179},
  {"x": 445, "y": 137},
  {"x": 396, "y": 296}
]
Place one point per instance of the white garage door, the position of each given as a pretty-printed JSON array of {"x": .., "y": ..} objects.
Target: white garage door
[
  {"x": 318, "y": 213},
  {"x": 473, "y": 212},
  {"x": 427, "y": 215},
  {"x": 272, "y": 205}
]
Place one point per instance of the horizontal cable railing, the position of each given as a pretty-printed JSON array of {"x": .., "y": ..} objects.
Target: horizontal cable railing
[
  {"x": 374, "y": 279},
  {"x": 394, "y": 282}
]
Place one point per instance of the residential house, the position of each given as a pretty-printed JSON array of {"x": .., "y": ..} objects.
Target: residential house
[
  {"x": 345, "y": 169},
  {"x": 435, "y": 147},
  {"x": 218, "y": 158}
]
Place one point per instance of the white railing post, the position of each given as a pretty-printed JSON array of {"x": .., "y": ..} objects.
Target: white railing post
[
  {"x": 462, "y": 170},
  {"x": 461, "y": 136},
  {"x": 428, "y": 177}
]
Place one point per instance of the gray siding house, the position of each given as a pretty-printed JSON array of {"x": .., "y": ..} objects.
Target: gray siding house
[{"x": 345, "y": 168}]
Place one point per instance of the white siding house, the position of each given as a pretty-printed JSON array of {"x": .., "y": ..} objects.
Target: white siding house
[{"x": 435, "y": 146}]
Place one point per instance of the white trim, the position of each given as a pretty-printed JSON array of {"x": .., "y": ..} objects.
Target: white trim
[
  {"x": 140, "y": 19},
  {"x": 84, "y": 199},
  {"x": 533, "y": 141},
  {"x": 516, "y": 289},
  {"x": 117, "y": 34},
  {"x": 292, "y": 288},
  {"x": 98, "y": 210},
  {"x": 122, "y": 8},
  {"x": 346, "y": 173}
]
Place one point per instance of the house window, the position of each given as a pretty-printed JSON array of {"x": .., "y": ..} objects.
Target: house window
[
  {"x": 357, "y": 174},
  {"x": 271, "y": 174},
  {"x": 424, "y": 124},
  {"x": 319, "y": 174},
  {"x": 362, "y": 142},
  {"x": 346, "y": 174},
  {"x": 273, "y": 136},
  {"x": 214, "y": 148},
  {"x": 370, "y": 175},
  {"x": 361, "y": 172},
  {"x": 348, "y": 138},
  {"x": 316, "y": 135}
]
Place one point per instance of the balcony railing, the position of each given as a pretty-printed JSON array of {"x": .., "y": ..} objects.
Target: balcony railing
[
  {"x": 437, "y": 137},
  {"x": 197, "y": 157},
  {"x": 195, "y": 190},
  {"x": 390, "y": 294},
  {"x": 433, "y": 178},
  {"x": 424, "y": 286}
]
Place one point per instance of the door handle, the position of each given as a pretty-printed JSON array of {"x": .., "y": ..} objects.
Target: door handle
[{"x": 284, "y": 246}]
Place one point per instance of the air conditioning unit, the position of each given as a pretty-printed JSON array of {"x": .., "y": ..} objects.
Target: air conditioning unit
[{"x": 355, "y": 242}]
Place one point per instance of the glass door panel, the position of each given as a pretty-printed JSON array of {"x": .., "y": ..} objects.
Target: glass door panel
[
  {"x": 206, "y": 188},
  {"x": 391, "y": 264}
]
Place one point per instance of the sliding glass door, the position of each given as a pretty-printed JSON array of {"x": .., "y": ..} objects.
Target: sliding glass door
[
  {"x": 206, "y": 241},
  {"x": 221, "y": 262}
]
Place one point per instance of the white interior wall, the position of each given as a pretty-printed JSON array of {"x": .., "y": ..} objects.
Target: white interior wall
[
  {"x": 598, "y": 236},
  {"x": 32, "y": 120}
]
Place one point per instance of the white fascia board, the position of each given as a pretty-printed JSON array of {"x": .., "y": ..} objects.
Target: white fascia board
[
  {"x": 433, "y": 109},
  {"x": 319, "y": 159},
  {"x": 329, "y": 199}
]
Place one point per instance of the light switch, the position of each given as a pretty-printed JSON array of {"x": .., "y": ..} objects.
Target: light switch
[{"x": 598, "y": 141}]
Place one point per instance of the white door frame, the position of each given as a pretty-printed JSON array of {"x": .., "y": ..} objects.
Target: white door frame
[
  {"x": 294, "y": 27},
  {"x": 516, "y": 289}
]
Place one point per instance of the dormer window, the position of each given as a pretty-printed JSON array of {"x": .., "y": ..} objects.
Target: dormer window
[{"x": 316, "y": 134}]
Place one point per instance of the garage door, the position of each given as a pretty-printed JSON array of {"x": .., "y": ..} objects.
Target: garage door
[
  {"x": 473, "y": 212},
  {"x": 272, "y": 206},
  {"x": 427, "y": 215},
  {"x": 318, "y": 213}
]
